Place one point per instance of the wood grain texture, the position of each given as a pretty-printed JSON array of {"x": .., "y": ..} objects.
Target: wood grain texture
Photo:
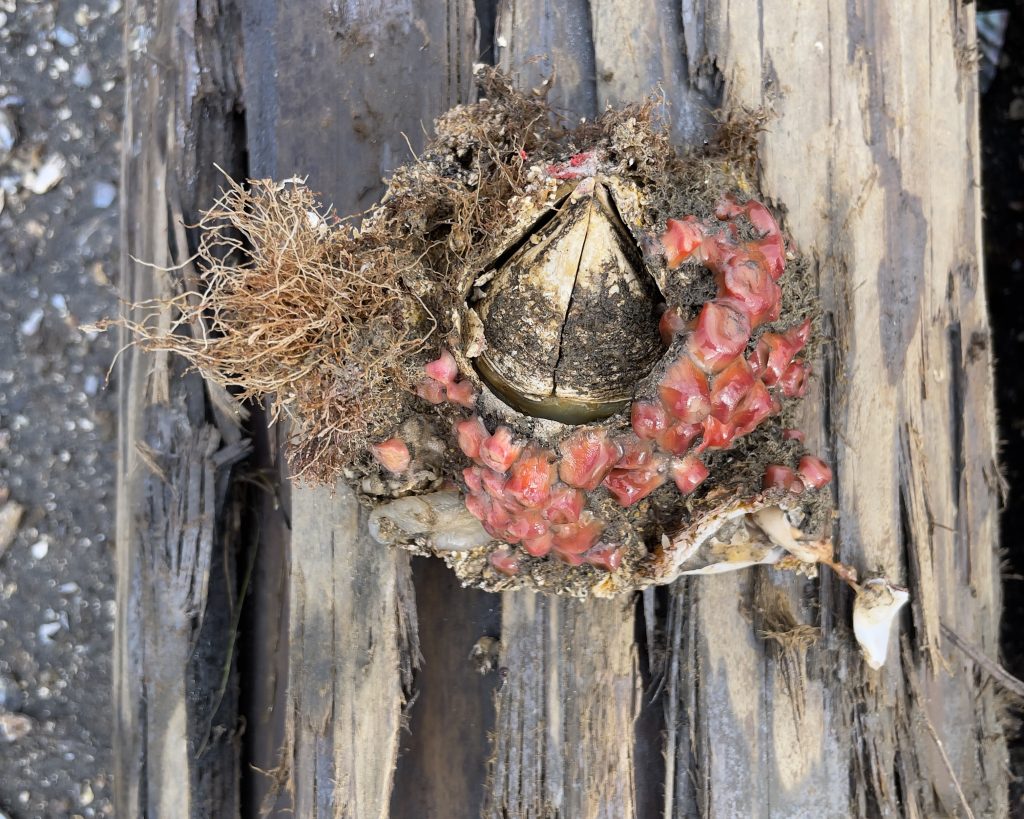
[
  {"x": 444, "y": 754},
  {"x": 175, "y": 691},
  {"x": 564, "y": 741},
  {"x": 338, "y": 93},
  {"x": 872, "y": 152},
  {"x": 872, "y": 149}
]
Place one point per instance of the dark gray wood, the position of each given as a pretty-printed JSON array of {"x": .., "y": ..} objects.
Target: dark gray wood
[
  {"x": 443, "y": 761},
  {"x": 176, "y": 690},
  {"x": 339, "y": 93}
]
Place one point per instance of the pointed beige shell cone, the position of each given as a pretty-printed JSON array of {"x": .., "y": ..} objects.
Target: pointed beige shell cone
[{"x": 570, "y": 317}]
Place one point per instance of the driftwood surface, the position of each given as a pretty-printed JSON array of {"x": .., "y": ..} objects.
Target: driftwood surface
[
  {"x": 359, "y": 699},
  {"x": 177, "y": 750}
]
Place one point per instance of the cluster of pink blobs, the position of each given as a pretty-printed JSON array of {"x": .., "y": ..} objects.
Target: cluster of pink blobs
[
  {"x": 526, "y": 495},
  {"x": 443, "y": 383},
  {"x": 711, "y": 395},
  {"x": 708, "y": 397},
  {"x": 811, "y": 473}
]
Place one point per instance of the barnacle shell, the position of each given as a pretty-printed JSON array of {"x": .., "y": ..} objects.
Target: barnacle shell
[
  {"x": 874, "y": 610},
  {"x": 570, "y": 314}
]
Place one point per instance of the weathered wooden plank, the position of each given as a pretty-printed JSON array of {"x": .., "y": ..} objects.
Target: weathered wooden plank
[
  {"x": 564, "y": 743},
  {"x": 337, "y": 93},
  {"x": 878, "y": 182},
  {"x": 176, "y": 750},
  {"x": 854, "y": 160},
  {"x": 443, "y": 764},
  {"x": 876, "y": 162}
]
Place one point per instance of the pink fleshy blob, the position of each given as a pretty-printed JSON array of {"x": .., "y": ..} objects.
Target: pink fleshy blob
[
  {"x": 499, "y": 451},
  {"x": 775, "y": 351},
  {"x": 689, "y": 473},
  {"x": 794, "y": 380},
  {"x": 814, "y": 471},
  {"x": 751, "y": 288},
  {"x": 729, "y": 387},
  {"x": 576, "y": 538},
  {"x": 717, "y": 434},
  {"x": 777, "y": 476},
  {"x": 720, "y": 334},
  {"x": 757, "y": 405},
  {"x": 473, "y": 477},
  {"x": 671, "y": 324},
  {"x": 471, "y": 433},
  {"x": 462, "y": 393},
  {"x": 678, "y": 437},
  {"x": 632, "y": 485},
  {"x": 531, "y": 478},
  {"x": 605, "y": 556},
  {"x": 527, "y": 525},
  {"x": 392, "y": 454},
  {"x": 431, "y": 391},
  {"x": 565, "y": 504},
  {"x": 684, "y": 392},
  {"x": 587, "y": 455},
  {"x": 649, "y": 420},
  {"x": 505, "y": 561},
  {"x": 443, "y": 369},
  {"x": 680, "y": 239},
  {"x": 539, "y": 546}
]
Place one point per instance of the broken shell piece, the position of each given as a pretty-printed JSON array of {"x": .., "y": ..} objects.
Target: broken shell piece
[
  {"x": 440, "y": 519},
  {"x": 723, "y": 539},
  {"x": 736, "y": 545},
  {"x": 773, "y": 521},
  {"x": 877, "y": 604},
  {"x": 46, "y": 177}
]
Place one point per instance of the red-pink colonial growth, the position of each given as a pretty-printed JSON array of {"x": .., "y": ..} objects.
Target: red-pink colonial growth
[{"x": 710, "y": 393}]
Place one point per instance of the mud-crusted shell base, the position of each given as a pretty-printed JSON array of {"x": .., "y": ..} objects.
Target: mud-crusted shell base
[{"x": 723, "y": 534}]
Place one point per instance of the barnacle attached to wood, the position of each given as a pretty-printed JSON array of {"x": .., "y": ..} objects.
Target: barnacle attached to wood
[{"x": 560, "y": 359}]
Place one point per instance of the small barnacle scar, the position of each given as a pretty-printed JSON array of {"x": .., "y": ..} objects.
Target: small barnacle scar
[{"x": 600, "y": 406}]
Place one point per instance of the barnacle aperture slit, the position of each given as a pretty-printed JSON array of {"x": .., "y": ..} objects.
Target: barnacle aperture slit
[{"x": 570, "y": 315}]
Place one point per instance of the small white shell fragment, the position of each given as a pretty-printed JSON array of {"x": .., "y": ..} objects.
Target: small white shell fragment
[
  {"x": 877, "y": 604},
  {"x": 440, "y": 518},
  {"x": 14, "y": 726},
  {"x": 774, "y": 523},
  {"x": 8, "y": 133},
  {"x": 47, "y": 176}
]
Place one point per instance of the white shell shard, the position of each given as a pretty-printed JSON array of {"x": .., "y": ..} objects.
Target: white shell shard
[
  {"x": 47, "y": 176},
  {"x": 877, "y": 604},
  {"x": 774, "y": 523},
  {"x": 737, "y": 544},
  {"x": 441, "y": 519}
]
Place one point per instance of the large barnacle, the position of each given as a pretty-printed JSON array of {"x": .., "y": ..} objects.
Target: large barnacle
[{"x": 569, "y": 312}]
